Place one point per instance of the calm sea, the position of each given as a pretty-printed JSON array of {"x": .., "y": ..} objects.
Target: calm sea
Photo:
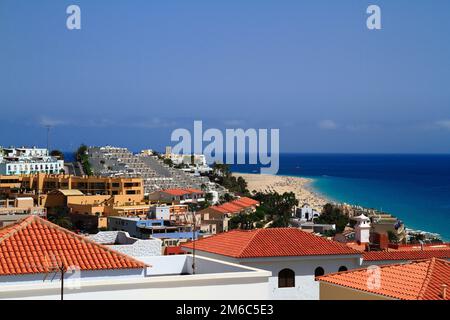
[{"x": 415, "y": 188}]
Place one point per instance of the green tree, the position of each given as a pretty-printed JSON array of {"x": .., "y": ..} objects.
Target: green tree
[
  {"x": 81, "y": 155},
  {"x": 60, "y": 217},
  {"x": 392, "y": 236},
  {"x": 58, "y": 154},
  {"x": 168, "y": 162},
  {"x": 333, "y": 215},
  {"x": 277, "y": 207},
  {"x": 222, "y": 175}
]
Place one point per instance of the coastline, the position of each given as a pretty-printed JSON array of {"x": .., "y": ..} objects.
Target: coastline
[
  {"x": 303, "y": 189},
  {"x": 301, "y": 186}
]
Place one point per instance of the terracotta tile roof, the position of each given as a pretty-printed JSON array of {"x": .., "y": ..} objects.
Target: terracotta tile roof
[
  {"x": 272, "y": 242},
  {"x": 191, "y": 190},
  {"x": 236, "y": 206},
  {"x": 417, "y": 280},
  {"x": 33, "y": 245},
  {"x": 175, "y": 192},
  {"x": 173, "y": 250},
  {"x": 181, "y": 192},
  {"x": 406, "y": 255},
  {"x": 219, "y": 209},
  {"x": 245, "y": 201},
  {"x": 232, "y": 208}
]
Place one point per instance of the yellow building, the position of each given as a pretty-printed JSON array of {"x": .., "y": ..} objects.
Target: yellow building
[{"x": 88, "y": 185}]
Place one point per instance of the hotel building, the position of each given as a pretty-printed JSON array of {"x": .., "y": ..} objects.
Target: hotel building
[{"x": 88, "y": 185}]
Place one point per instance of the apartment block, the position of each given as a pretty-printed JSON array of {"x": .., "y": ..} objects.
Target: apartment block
[
  {"x": 88, "y": 185},
  {"x": 16, "y": 161}
]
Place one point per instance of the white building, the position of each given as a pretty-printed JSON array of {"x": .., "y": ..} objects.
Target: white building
[
  {"x": 17, "y": 161},
  {"x": 181, "y": 196},
  {"x": 306, "y": 213},
  {"x": 293, "y": 257},
  {"x": 160, "y": 212},
  {"x": 362, "y": 229},
  {"x": 133, "y": 247},
  {"x": 93, "y": 271}
]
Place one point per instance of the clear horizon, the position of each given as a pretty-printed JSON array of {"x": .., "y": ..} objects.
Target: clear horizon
[{"x": 138, "y": 69}]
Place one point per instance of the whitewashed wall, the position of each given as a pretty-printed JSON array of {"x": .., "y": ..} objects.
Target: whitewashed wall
[{"x": 306, "y": 288}]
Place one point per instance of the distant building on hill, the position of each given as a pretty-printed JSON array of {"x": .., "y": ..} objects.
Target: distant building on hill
[
  {"x": 307, "y": 213},
  {"x": 18, "y": 161},
  {"x": 151, "y": 228},
  {"x": 215, "y": 219},
  {"x": 181, "y": 196},
  {"x": 12, "y": 210},
  {"x": 89, "y": 185}
]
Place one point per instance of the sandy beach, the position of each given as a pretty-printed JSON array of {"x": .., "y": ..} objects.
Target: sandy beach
[{"x": 281, "y": 184}]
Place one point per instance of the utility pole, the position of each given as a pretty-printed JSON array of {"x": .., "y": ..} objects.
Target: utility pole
[
  {"x": 193, "y": 243},
  {"x": 63, "y": 271},
  {"x": 58, "y": 267}
]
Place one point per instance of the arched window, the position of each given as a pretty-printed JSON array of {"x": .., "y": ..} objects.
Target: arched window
[
  {"x": 286, "y": 278},
  {"x": 342, "y": 268},
  {"x": 319, "y": 272}
]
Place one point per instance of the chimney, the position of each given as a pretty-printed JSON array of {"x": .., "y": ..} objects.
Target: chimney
[{"x": 444, "y": 291}]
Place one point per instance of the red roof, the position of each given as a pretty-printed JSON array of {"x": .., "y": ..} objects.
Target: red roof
[
  {"x": 181, "y": 192},
  {"x": 417, "y": 280},
  {"x": 236, "y": 206},
  {"x": 406, "y": 255},
  {"x": 190, "y": 190},
  {"x": 173, "y": 250},
  {"x": 247, "y": 201},
  {"x": 272, "y": 242},
  {"x": 34, "y": 245}
]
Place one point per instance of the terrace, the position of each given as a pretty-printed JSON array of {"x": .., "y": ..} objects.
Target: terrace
[{"x": 168, "y": 277}]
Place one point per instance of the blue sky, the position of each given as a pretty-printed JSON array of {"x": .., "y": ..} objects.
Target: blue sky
[{"x": 139, "y": 69}]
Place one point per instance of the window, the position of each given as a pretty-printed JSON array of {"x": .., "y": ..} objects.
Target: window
[
  {"x": 286, "y": 278},
  {"x": 319, "y": 272},
  {"x": 342, "y": 268}
]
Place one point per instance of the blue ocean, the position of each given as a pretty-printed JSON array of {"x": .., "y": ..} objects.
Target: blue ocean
[{"x": 414, "y": 188}]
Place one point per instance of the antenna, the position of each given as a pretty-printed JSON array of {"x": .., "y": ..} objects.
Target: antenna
[
  {"x": 57, "y": 268},
  {"x": 48, "y": 136}
]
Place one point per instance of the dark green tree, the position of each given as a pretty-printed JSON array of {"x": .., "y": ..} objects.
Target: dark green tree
[
  {"x": 58, "y": 154},
  {"x": 333, "y": 215},
  {"x": 81, "y": 155},
  {"x": 277, "y": 207}
]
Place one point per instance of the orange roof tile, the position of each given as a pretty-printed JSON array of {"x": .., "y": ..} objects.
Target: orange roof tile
[
  {"x": 218, "y": 208},
  {"x": 406, "y": 255},
  {"x": 175, "y": 192},
  {"x": 191, "y": 190},
  {"x": 272, "y": 242},
  {"x": 248, "y": 201},
  {"x": 235, "y": 206},
  {"x": 181, "y": 192},
  {"x": 232, "y": 208},
  {"x": 417, "y": 280},
  {"x": 34, "y": 245}
]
